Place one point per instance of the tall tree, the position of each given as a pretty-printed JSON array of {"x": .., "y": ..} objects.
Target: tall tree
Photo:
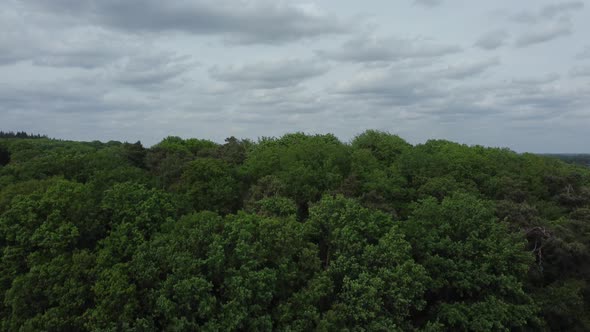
[{"x": 476, "y": 264}]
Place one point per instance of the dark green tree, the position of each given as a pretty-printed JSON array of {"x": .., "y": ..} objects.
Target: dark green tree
[
  {"x": 4, "y": 156},
  {"x": 476, "y": 264}
]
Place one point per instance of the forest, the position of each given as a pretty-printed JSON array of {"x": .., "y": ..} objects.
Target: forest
[
  {"x": 580, "y": 159},
  {"x": 295, "y": 233}
]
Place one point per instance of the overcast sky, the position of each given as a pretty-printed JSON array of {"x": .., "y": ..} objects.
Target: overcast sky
[{"x": 499, "y": 73}]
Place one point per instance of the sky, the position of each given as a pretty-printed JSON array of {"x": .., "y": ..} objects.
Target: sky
[{"x": 499, "y": 73}]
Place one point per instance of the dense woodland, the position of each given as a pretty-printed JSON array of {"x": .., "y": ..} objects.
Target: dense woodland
[
  {"x": 579, "y": 159},
  {"x": 298, "y": 233}
]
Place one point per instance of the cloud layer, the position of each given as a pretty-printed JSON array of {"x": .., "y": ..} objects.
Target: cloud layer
[
  {"x": 241, "y": 22},
  {"x": 373, "y": 49},
  {"x": 500, "y": 73}
]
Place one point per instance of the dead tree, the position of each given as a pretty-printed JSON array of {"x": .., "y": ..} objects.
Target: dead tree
[{"x": 540, "y": 237}]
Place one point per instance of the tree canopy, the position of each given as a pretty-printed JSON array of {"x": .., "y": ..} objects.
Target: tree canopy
[{"x": 295, "y": 233}]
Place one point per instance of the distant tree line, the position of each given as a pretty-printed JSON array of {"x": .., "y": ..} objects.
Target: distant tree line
[
  {"x": 579, "y": 159},
  {"x": 296, "y": 233},
  {"x": 19, "y": 134}
]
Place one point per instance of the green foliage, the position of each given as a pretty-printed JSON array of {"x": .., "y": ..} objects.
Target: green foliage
[
  {"x": 376, "y": 283},
  {"x": 297, "y": 233},
  {"x": 210, "y": 185},
  {"x": 276, "y": 206},
  {"x": 52, "y": 296},
  {"x": 477, "y": 266},
  {"x": 4, "y": 156},
  {"x": 307, "y": 166},
  {"x": 135, "y": 153},
  {"x": 386, "y": 148},
  {"x": 376, "y": 186}
]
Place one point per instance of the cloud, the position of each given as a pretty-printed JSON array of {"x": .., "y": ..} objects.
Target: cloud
[
  {"x": 524, "y": 17},
  {"x": 73, "y": 96},
  {"x": 90, "y": 106},
  {"x": 269, "y": 74},
  {"x": 428, "y": 90},
  {"x": 444, "y": 96},
  {"x": 128, "y": 70},
  {"x": 533, "y": 99},
  {"x": 548, "y": 23},
  {"x": 542, "y": 35},
  {"x": 535, "y": 81},
  {"x": 373, "y": 49},
  {"x": 248, "y": 22},
  {"x": 287, "y": 100},
  {"x": 540, "y": 104},
  {"x": 87, "y": 49},
  {"x": 551, "y": 11},
  {"x": 150, "y": 69},
  {"x": 428, "y": 3},
  {"x": 548, "y": 12},
  {"x": 18, "y": 41},
  {"x": 584, "y": 54},
  {"x": 389, "y": 88},
  {"x": 580, "y": 71},
  {"x": 467, "y": 69},
  {"x": 24, "y": 39},
  {"x": 492, "y": 40}
]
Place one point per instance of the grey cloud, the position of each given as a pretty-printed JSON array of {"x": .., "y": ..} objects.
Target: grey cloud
[
  {"x": 129, "y": 89},
  {"x": 584, "y": 54},
  {"x": 18, "y": 41},
  {"x": 551, "y": 11},
  {"x": 72, "y": 97},
  {"x": 424, "y": 89},
  {"x": 549, "y": 23},
  {"x": 79, "y": 110},
  {"x": 536, "y": 100},
  {"x": 261, "y": 21},
  {"x": 422, "y": 93},
  {"x": 524, "y": 17},
  {"x": 79, "y": 47},
  {"x": 86, "y": 104},
  {"x": 274, "y": 97},
  {"x": 580, "y": 71},
  {"x": 270, "y": 74},
  {"x": 390, "y": 88},
  {"x": 151, "y": 70},
  {"x": 538, "y": 36},
  {"x": 372, "y": 49},
  {"x": 535, "y": 81},
  {"x": 428, "y": 3},
  {"x": 87, "y": 49},
  {"x": 8, "y": 55},
  {"x": 468, "y": 69},
  {"x": 492, "y": 40},
  {"x": 77, "y": 59},
  {"x": 540, "y": 103}
]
